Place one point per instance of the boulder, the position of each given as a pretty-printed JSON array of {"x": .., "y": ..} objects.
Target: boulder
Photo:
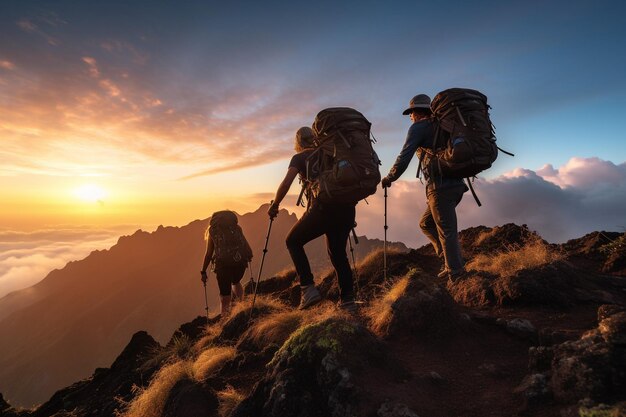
[
  {"x": 536, "y": 390},
  {"x": 190, "y": 399},
  {"x": 423, "y": 308},
  {"x": 613, "y": 329},
  {"x": 314, "y": 373},
  {"x": 591, "y": 367}
]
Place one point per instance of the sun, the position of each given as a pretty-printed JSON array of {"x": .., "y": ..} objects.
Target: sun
[{"x": 91, "y": 193}]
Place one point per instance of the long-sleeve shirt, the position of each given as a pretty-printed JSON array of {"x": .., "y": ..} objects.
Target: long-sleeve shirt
[{"x": 420, "y": 135}]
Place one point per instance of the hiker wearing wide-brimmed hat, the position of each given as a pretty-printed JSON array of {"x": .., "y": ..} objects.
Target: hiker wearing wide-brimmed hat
[{"x": 439, "y": 221}]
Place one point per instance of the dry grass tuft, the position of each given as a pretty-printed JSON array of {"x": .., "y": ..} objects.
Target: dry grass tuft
[
  {"x": 379, "y": 313},
  {"x": 211, "y": 360},
  {"x": 485, "y": 235},
  {"x": 207, "y": 339},
  {"x": 262, "y": 301},
  {"x": 229, "y": 399},
  {"x": 532, "y": 254},
  {"x": 325, "y": 311},
  {"x": 276, "y": 327},
  {"x": 373, "y": 257},
  {"x": 151, "y": 400}
]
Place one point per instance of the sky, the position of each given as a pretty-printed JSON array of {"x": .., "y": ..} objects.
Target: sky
[{"x": 123, "y": 115}]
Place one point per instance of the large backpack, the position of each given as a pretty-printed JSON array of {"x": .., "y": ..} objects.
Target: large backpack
[
  {"x": 464, "y": 143},
  {"x": 230, "y": 245},
  {"x": 347, "y": 163}
]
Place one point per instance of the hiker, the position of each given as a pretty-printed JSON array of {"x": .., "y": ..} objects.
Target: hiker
[
  {"x": 439, "y": 221},
  {"x": 333, "y": 220},
  {"x": 229, "y": 252}
]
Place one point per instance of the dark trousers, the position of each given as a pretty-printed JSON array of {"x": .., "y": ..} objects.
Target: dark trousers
[
  {"x": 334, "y": 221},
  {"x": 439, "y": 224},
  {"x": 227, "y": 275}
]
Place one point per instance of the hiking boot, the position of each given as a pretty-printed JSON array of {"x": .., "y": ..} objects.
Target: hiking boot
[
  {"x": 309, "y": 296},
  {"x": 349, "y": 306},
  {"x": 456, "y": 276},
  {"x": 443, "y": 272}
]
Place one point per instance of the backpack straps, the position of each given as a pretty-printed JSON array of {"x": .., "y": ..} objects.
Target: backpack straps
[
  {"x": 299, "y": 200},
  {"x": 502, "y": 150},
  {"x": 469, "y": 183}
]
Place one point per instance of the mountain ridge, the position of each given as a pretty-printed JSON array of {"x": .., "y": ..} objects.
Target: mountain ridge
[
  {"x": 421, "y": 346},
  {"x": 146, "y": 281}
]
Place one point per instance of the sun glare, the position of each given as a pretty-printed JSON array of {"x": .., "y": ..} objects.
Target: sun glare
[{"x": 90, "y": 192}]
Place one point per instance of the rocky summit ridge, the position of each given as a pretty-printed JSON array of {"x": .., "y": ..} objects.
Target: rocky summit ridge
[{"x": 533, "y": 329}]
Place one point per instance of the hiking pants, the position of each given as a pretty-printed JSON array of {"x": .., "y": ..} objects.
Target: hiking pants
[
  {"x": 334, "y": 221},
  {"x": 440, "y": 226}
]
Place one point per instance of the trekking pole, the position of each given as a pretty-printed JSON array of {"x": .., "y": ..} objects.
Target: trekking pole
[
  {"x": 251, "y": 277},
  {"x": 356, "y": 272},
  {"x": 206, "y": 301},
  {"x": 267, "y": 238},
  {"x": 385, "y": 243}
]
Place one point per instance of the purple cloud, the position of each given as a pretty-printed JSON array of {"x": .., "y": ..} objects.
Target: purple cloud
[{"x": 584, "y": 195}]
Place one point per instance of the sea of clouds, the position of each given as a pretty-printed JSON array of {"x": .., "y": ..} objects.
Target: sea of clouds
[
  {"x": 27, "y": 257},
  {"x": 584, "y": 195}
]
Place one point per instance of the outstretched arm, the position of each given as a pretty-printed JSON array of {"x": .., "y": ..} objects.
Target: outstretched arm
[
  {"x": 282, "y": 191},
  {"x": 208, "y": 255},
  {"x": 417, "y": 136}
]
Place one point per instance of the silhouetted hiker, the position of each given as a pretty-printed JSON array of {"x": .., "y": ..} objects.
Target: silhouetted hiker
[
  {"x": 439, "y": 222},
  {"x": 325, "y": 215},
  {"x": 230, "y": 253}
]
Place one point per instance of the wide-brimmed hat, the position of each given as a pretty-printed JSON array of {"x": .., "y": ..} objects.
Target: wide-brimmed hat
[{"x": 420, "y": 101}]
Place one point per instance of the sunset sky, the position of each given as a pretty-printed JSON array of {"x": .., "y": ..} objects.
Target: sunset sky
[{"x": 119, "y": 115}]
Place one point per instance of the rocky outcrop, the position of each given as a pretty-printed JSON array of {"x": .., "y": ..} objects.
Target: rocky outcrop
[
  {"x": 482, "y": 239},
  {"x": 590, "y": 368},
  {"x": 315, "y": 373},
  {"x": 190, "y": 399},
  {"x": 423, "y": 309},
  {"x": 601, "y": 251},
  {"x": 557, "y": 283},
  {"x": 459, "y": 349}
]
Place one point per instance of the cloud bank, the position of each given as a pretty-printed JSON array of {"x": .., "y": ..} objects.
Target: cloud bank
[
  {"x": 584, "y": 195},
  {"x": 27, "y": 257}
]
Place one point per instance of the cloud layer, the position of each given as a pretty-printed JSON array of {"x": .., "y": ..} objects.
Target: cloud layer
[
  {"x": 27, "y": 257},
  {"x": 584, "y": 195}
]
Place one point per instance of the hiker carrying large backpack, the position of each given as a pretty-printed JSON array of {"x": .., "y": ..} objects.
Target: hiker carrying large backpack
[
  {"x": 229, "y": 252},
  {"x": 454, "y": 139},
  {"x": 338, "y": 162}
]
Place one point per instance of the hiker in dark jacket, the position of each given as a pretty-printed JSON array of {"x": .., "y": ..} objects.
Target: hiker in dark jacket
[
  {"x": 439, "y": 221},
  {"x": 228, "y": 273},
  {"x": 335, "y": 221}
]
